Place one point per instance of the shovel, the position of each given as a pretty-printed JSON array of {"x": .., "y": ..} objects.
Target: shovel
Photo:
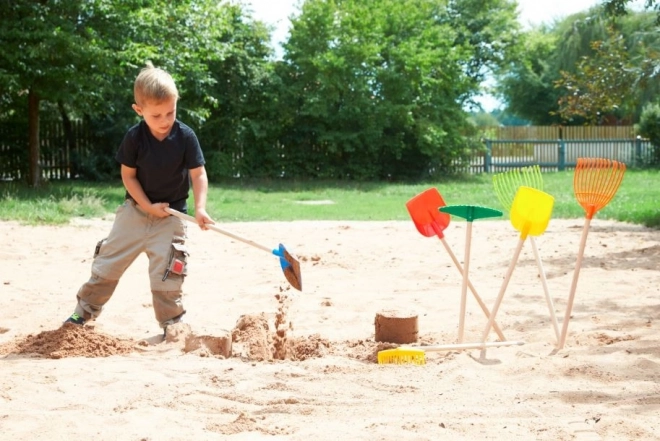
[
  {"x": 290, "y": 265},
  {"x": 469, "y": 213},
  {"x": 530, "y": 214},
  {"x": 429, "y": 221}
]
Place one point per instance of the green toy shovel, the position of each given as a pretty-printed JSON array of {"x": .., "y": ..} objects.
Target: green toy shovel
[{"x": 469, "y": 213}]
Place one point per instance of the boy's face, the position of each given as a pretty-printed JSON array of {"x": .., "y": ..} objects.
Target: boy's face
[{"x": 159, "y": 116}]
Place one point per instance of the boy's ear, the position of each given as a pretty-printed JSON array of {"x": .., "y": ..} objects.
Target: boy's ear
[{"x": 137, "y": 109}]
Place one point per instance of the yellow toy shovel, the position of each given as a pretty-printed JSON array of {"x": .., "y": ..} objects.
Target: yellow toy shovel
[
  {"x": 506, "y": 185},
  {"x": 530, "y": 214}
]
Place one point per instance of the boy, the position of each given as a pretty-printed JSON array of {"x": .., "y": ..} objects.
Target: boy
[{"x": 159, "y": 157}]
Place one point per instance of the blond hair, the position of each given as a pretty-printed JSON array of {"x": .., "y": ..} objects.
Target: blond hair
[{"x": 154, "y": 84}]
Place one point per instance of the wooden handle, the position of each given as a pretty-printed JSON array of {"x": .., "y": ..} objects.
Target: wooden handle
[
  {"x": 576, "y": 275},
  {"x": 461, "y": 346},
  {"x": 481, "y": 303},
  {"x": 500, "y": 296},
  {"x": 219, "y": 230},
  {"x": 544, "y": 282}
]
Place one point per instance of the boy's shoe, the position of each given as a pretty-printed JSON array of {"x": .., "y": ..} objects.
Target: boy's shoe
[
  {"x": 176, "y": 331},
  {"x": 75, "y": 319},
  {"x": 174, "y": 321}
]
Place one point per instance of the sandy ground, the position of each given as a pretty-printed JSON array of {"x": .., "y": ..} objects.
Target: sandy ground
[{"x": 318, "y": 377}]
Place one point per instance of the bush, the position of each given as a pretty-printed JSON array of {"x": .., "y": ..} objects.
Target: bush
[{"x": 649, "y": 127}]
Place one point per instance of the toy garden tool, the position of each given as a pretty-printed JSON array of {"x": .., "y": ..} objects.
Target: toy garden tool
[
  {"x": 469, "y": 213},
  {"x": 506, "y": 185},
  {"x": 417, "y": 354},
  {"x": 595, "y": 183},
  {"x": 530, "y": 214},
  {"x": 429, "y": 221},
  {"x": 289, "y": 264}
]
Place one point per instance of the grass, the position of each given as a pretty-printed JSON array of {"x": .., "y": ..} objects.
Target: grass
[{"x": 636, "y": 200}]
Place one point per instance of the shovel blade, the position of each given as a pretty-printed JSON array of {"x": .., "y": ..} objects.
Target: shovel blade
[
  {"x": 531, "y": 211},
  {"x": 290, "y": 267},
  {"x": 425, "y": 214},
  {"x": 471, "y": 212}
]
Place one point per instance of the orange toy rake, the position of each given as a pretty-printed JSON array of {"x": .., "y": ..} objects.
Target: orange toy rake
[{"x": 595, "y": 183}]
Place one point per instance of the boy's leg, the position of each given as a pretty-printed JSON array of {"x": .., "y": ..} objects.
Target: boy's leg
[
  {"x": 167, "y": 268},
  {"x": 115, "y": 255}
]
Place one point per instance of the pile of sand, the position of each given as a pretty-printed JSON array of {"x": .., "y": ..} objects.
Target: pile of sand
[{"x": 69, "y": 341}]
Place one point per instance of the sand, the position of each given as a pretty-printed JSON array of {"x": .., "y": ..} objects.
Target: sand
[{"x": 304, "y": 365}]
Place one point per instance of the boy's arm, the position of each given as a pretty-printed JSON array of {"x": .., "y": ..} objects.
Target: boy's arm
[
  {"x": 134, "y": 188},
  {"x": 200, "y": 185}
]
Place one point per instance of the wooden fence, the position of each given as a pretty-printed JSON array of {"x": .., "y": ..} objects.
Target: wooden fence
[
  {"x": 557, "y": 148},
  {"x": 553, "y": 133},
  {"x": 58, "y": 154},
  {"x": 558, "y": 155},
  {"x": 551, "y": 147}
]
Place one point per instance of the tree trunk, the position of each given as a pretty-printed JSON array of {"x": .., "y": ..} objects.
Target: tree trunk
[{"x": 34, "y": 172}]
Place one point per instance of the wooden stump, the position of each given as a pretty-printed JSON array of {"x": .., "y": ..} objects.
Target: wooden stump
[{"x": 396, "y": 327}]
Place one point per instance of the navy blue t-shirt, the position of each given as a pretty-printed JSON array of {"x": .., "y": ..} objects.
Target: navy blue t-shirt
[{"x": 162, "y": 166}]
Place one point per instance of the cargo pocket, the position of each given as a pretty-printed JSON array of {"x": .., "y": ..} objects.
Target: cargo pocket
[
  {"x": 177, "y": 264},
  {"x": 99, "y": 244}
]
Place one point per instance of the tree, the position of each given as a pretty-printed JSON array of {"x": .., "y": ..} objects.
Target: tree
[
  {"x": 527, "y": 85},
  {"x": 376, "y": 88},
  {"x": 52, "y": 50},
  {"x": 601, "y": 84},
  {"x": 555, "y": 52},
  {"x": 241, "y": 130},
  {"x": 82, "y": 54}
]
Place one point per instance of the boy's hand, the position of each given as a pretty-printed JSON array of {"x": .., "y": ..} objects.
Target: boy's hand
[
  {"x": 203, "y": 218},
  {"x": 158, "y": 209}
]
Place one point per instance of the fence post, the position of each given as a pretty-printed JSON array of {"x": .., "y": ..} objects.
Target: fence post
[
  {"x": 638, "y": 151},
  {"x": 488, "y": 159},
  {"x": 561, "y": 165}
]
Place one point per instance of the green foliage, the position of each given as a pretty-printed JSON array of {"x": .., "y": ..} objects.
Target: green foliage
[
  {"x": 601, "y": 84},
  {"x": 367, "y": 89},
  {"x": 527, "y": 85},
  {"x": 81, "y": 57},
  {"x": 619, "y": 7},
  {"x": 649, "y": 127},
  {"x": 483, "y": 119},
  {"x": 376, "y": 89},
  {"x": 579, "y": 53},
  {"x": 242, "y": 128}
]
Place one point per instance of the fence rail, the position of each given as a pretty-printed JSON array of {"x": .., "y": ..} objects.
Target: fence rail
[{"x": 558, "y": 154}]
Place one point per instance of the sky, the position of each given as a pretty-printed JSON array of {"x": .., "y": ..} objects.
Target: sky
[{"x": 532, "y": 12}]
